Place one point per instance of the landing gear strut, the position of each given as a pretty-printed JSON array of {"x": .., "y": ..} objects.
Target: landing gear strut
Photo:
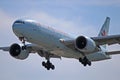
[
  {"x": 85, "y": 61},
  {"x": 48, "y": 65},
  {"x": 22, "y": 39}
]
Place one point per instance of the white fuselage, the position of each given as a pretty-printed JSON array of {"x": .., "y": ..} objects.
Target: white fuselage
[{"x": 49, "y": 39}]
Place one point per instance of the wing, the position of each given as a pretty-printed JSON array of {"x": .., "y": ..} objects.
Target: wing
[
  {"x": 113, "y": 39},
  {"x": 4, "y": 48},
  {"x": 113, "y": 52},
  {"x": 32, "y": 48}
]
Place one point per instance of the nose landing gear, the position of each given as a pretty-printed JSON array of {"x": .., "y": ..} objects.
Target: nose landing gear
[{"x": 22, "y": 39}]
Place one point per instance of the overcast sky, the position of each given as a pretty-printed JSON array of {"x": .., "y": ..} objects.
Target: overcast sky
[{"x": 75, "y": 17}]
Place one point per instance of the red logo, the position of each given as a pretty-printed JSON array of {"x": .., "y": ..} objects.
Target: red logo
[{"x": 103, "y": 33}]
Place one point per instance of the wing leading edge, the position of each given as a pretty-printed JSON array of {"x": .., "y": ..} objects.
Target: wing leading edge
[
  {"x": 112, "y": 39},
  {"x": 113, "y": 53},
  {"x": 34, "y": 49}
]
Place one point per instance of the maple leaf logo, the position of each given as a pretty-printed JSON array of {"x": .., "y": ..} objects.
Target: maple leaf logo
[{"x": 103, "y": 33}]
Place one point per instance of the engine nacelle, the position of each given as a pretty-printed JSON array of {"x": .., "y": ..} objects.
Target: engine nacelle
[
  {"x": 17, "y": 52},
  {"x": 85, "y": 44}
]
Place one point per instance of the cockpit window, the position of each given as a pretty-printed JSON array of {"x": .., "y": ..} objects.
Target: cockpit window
[{"x": 19, "y": 22}]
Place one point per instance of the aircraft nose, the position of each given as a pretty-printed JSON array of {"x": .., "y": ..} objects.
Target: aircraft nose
[
  {"x": 17, "y": 23},
  {"x": 18, "y": 26}
]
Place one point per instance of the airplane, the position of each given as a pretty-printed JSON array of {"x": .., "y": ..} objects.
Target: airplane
[{"x": 50, "y": 43}]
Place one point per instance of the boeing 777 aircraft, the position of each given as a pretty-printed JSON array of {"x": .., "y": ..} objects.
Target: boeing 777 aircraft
[{"x": 50, "y": 43}]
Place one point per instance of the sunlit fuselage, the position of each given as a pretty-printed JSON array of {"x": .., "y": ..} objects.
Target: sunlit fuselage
[{"x": 49, "y": 39}]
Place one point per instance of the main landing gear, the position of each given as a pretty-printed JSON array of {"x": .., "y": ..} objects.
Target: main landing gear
[
  {"x": 48, "y": 65},
  {"x": 85, "y": 61}
]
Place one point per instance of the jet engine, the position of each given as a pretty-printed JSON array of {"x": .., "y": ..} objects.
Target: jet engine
[
  {"x": 85, "y": 44},
  {"x": 17, "y": 52}
]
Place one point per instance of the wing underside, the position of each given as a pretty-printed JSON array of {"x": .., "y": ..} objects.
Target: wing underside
[
  {"x": 35, "y": 49},
  {"x": 112, "y": 39},
  {"x": 113, "y": 53}
]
